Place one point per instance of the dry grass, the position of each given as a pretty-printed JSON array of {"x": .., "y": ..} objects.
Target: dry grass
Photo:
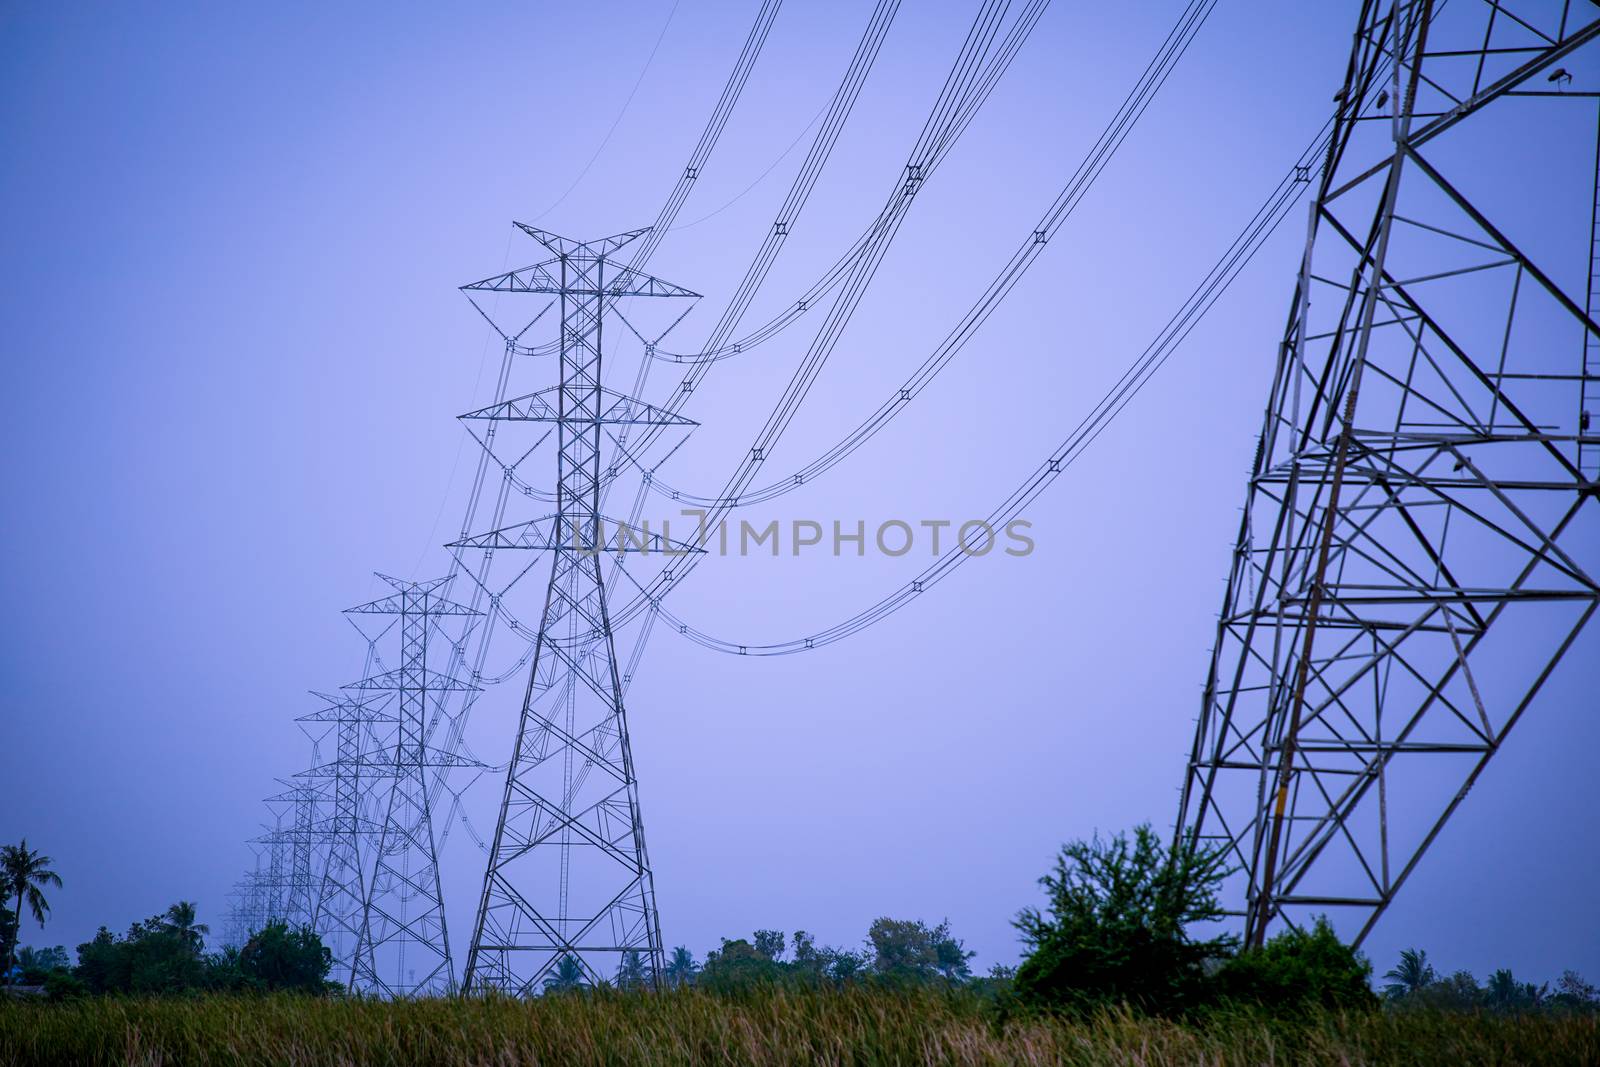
[{"x": 862, "y": 1026}]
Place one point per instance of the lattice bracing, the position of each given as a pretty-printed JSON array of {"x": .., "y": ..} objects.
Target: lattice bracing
[
  {"x": 1419, "y": 545},
  {"x": 568, "y": 873},
  {"x": 402, "y": 943}
]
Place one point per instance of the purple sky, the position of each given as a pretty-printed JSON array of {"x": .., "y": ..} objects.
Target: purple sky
[{"x": 235, "y": 351}]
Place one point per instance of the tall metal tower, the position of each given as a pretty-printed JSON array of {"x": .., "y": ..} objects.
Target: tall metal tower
[
  {"x": 300, "y": 799},
  {"x": 403, "y": 948},
  {"x": 341, "y": 890},
  {"x": 271, "y": 883},
  {"x": 249, "y": 909},
  {"x": 1421, "y": 537},
  {"x": 568, "y": 874}
]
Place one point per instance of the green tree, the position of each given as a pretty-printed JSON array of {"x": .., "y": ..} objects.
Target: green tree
[
  {"x": 681, "y": 968},
  {"x": 180, "y": 920},
  {"x": 1504, "y": 993},
  {"x": 738, "y": 965},
  {"x": 8, "y": 924},
  {"x": 1300, "y": 969},
  {"x": 38, "y": 963},
  {"x": 277, "y": 957},
  {"x": 632, "y": 971},
  {"x": 102, "y": 963},
  {"x": 842, "y": 966},
  {"x": 769, "y": 944},
  {"x": 567, "y": 976},
  {"x": 150, "y": 958},
  {"x": 1573, "y": 992},
  {"x": 1459, "y": 992},
  {"x": 1115, "y": 927},
  {"x": 26, "y": 872},
  {"x": 1410, "y": 976},
  {"x": 909, "y": 950}
]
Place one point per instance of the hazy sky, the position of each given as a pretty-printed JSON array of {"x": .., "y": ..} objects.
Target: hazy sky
[{"x": 235, "y": 350}]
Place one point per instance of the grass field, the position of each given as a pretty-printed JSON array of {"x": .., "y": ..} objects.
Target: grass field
[{"x": 862, "y": 1026}]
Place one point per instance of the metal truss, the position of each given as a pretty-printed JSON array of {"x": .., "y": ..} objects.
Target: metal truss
[
  {"x": 568, "y": 873},
  {"x": 271, "y": 882},
  {"x": 299, "y": 801},
  {"x": 1421, "y": 536},
  {"x": 359, "y": 727},
  {"x": 402, "y": 945},
  {"x": 249, "y": 906}
]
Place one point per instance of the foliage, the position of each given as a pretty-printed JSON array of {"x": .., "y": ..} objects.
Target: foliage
[
  {"x": 36, "y": 964},
  {"x": 1300, "y": 969},
  {"x": 180, "y": 921},
  {"x": 25, "y": 873},
  {"x": 739, "y": 964},
  {"x": 567, "y": 976},
  {"x": 149, "y": 959},
  {"x": 827, "y": 965},
  {"x": 769, "y": 944},
  {"x": 1115, "y": 927},
  {"x": 64, "y": 985},
  {"x": 681, "y": 968},
  {"x": 899, "y": 952},
  {"x": 1459, "y": 992},
  {"x": 163, "y": 955},
  {"x": 1573, "y": 993},
  {"x": 280, "y": 958},
  {"x": 1415, "y": 986},
  {"x": 1410, "y": 976},
  {"x": 1504, "y": 993},
  {"x": 908, "y": 950},
  {"x": 633, "y": 972},
  {"x": 864, "y": 1023},
  {"x": 8, "y": 926}
]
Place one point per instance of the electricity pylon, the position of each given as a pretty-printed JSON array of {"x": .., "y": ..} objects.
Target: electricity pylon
[
  {"x": 300, "y": 798},
  {"x": 341, "y": 894},
  {"x": 402, "y": 945},
  {"x": 568, "y": 874},
  {"x": 250, "y": 908},
  {"x": 1420, "y": 538}
]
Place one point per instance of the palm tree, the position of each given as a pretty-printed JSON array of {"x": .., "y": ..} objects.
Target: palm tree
[
  {"x": 1410, "y": 976},
  {"x": 180, "y": 920},
  {"x": 631, "y": 970},
  {"x": 681, "y": 968},
  {"x": 567, "y": 976},
  {"x": 25, "y": 873}
]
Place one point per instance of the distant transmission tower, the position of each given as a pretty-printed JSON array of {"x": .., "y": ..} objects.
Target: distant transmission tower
[
  {"x": 1421, "y": 537},
  {"x": 568, "y": 874},
  {"x": 274, "y": 879},
  {"x": 299, "y": 841},
  {"x": 341, "y": 892},
  {"x": 402, "y": 946}
]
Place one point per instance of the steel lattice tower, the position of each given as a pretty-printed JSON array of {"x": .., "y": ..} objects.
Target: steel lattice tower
[
  {"x": 403, "y": 947},
  {"x": 1420, "y": 538},
  {"x": 568, "y": 873},
  {"x": 299, "y": 902},
  {"x": 340, "y": 897}
]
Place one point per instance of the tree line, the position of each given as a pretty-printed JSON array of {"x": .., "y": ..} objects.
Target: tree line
[{"x": 1116, "y": 928}]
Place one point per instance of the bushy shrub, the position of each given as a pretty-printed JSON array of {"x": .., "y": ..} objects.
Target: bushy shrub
[
  {"x": 1115, "y": 928},
  {"x": 280, "y": 958},
  {"x": 64, "y": 985},
  {"x": 1300, "y": 969}
]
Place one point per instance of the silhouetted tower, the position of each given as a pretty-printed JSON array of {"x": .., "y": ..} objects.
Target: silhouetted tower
[
  {"x": 1420, "y": 538},
  {"x": 361, "y": 728},
  {"x": 248, "y": 912},
  {"x": 403, "y": 948},
  {"x": 568, "y": 872},
  {"x": 272, "y": 873},
  {"x": 299, "y": 801}
]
